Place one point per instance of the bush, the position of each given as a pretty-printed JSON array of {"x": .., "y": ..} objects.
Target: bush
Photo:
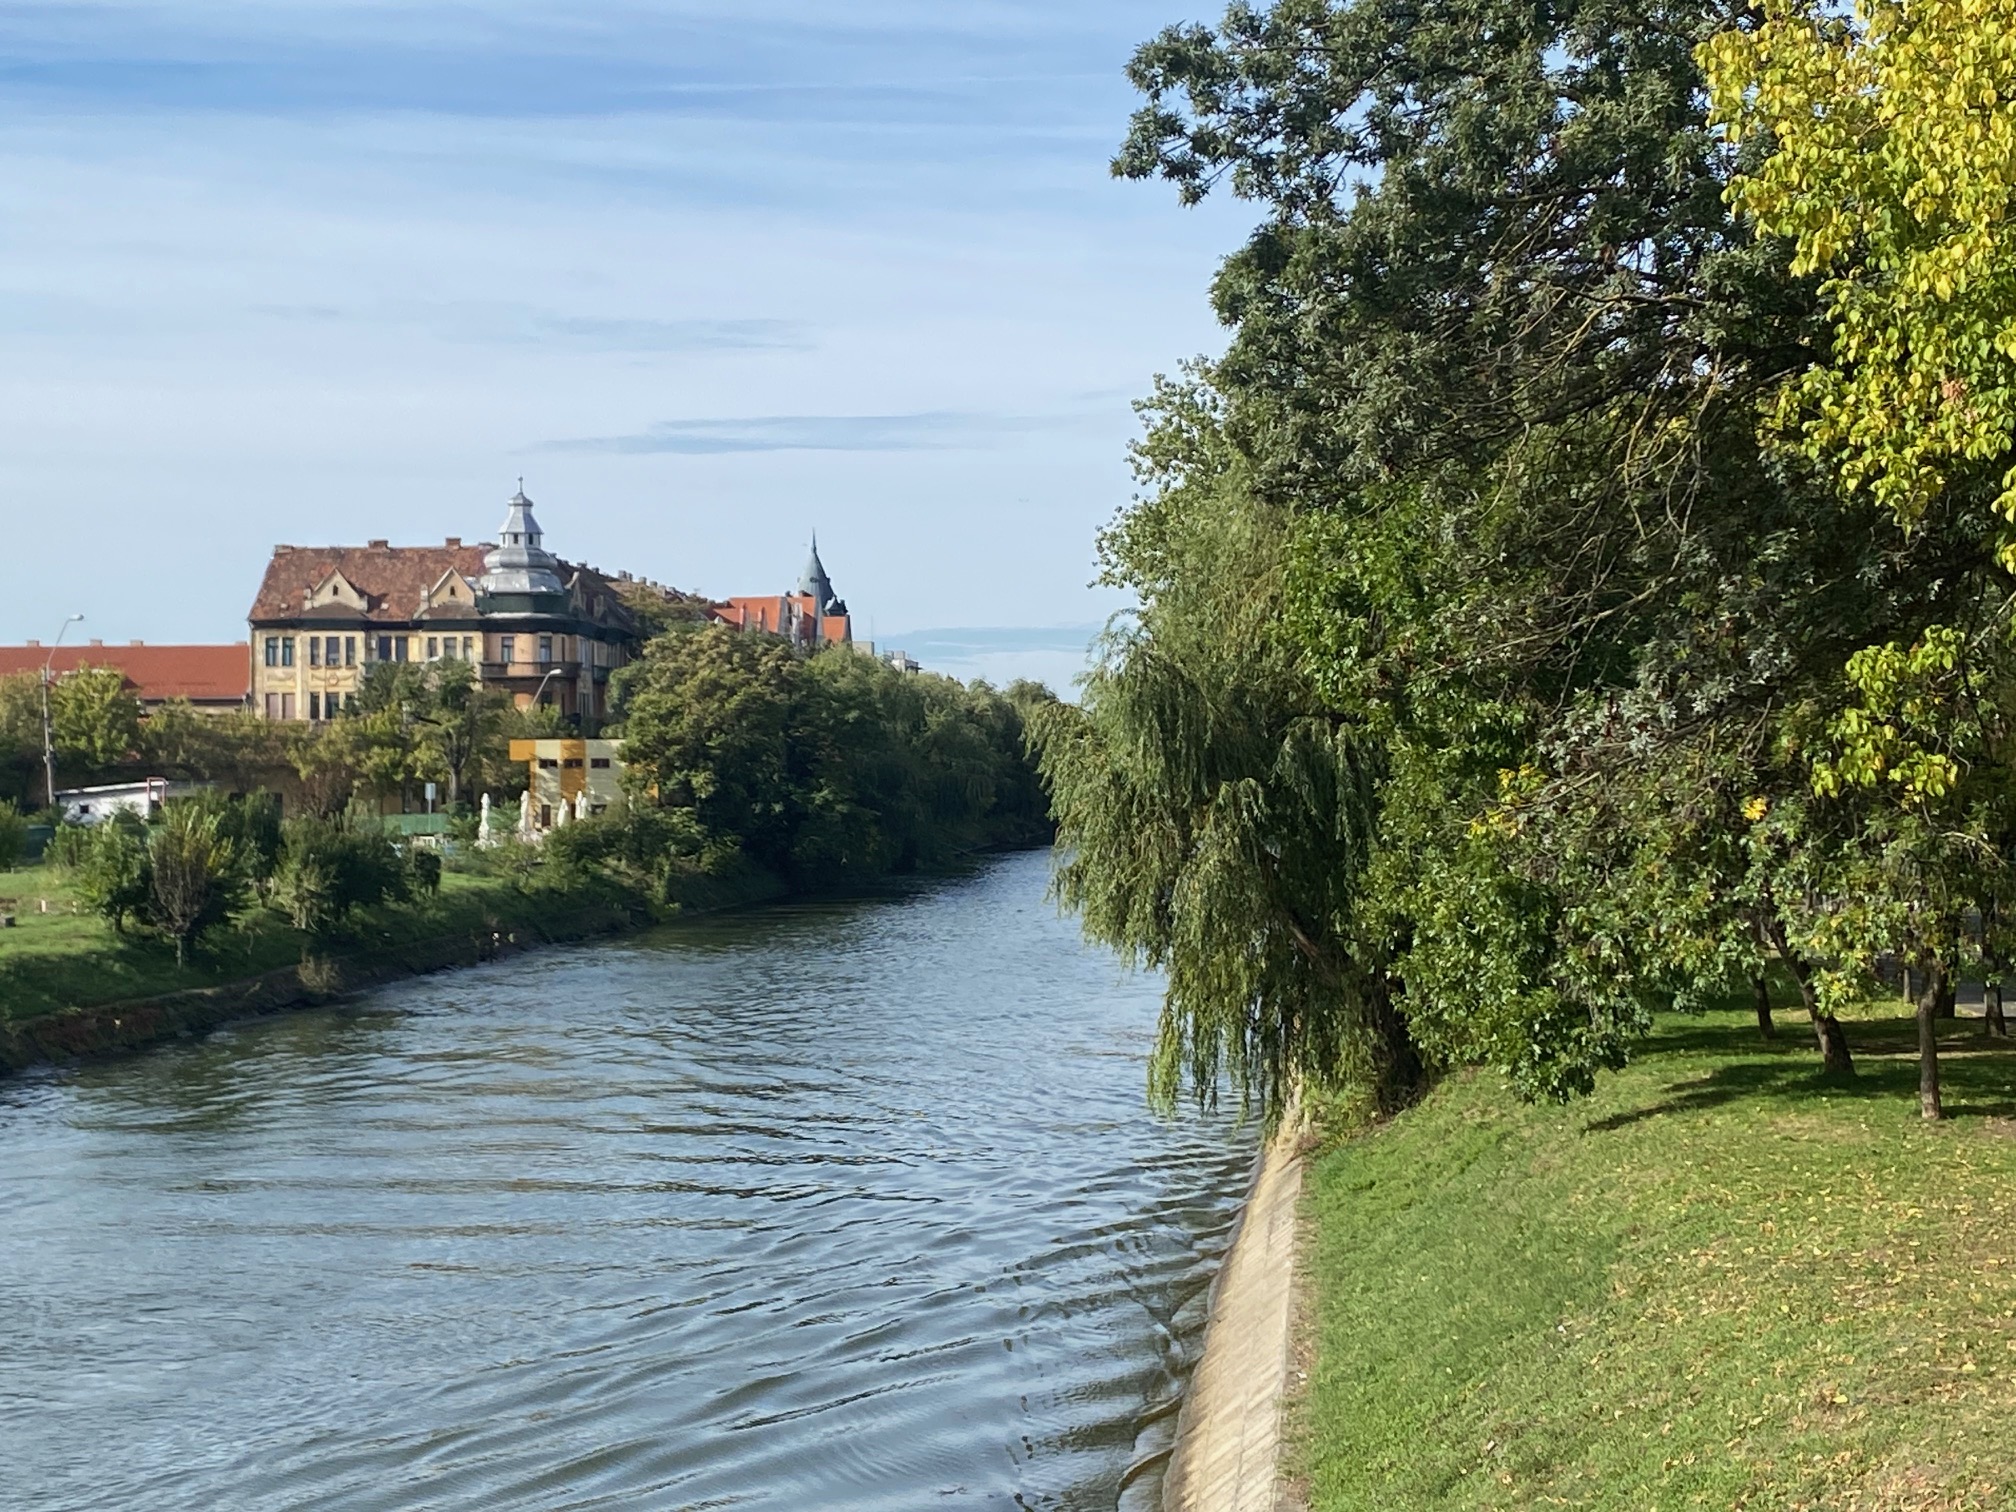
[
  {"x": 327, "y": 869},
  {"x": 70, "y": 848},
  {"x": 13, "y": 834},
  {"x": 113, "y": 869},
  {"x": 423, "y": 872}
]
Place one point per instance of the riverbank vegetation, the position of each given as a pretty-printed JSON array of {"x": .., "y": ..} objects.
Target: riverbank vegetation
[
  {"x": 1542, "y": 621},
  {"x": 753, "y": 770},
  {"x": 1717, "y": 1282}
]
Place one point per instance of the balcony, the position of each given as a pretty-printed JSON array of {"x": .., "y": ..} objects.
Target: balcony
[{"x": 529, "y": 671}]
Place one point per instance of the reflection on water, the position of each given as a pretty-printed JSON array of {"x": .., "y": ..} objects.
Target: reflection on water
[{"x": 823, "y": 1207}]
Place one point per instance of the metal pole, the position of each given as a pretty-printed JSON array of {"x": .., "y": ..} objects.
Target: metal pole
[{"x": 48, "y": 731}]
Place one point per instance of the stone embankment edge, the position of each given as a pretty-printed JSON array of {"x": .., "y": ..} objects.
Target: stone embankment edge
[
  {"x": 113, "y": 1028},
  {"x": 1227, "y": 1456}
]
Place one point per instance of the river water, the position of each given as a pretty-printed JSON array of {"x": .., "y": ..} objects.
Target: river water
[{"x": 822, "y": 1207}]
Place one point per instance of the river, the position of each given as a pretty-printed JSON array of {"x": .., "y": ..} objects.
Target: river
[{"x": 820, "y": 1207}]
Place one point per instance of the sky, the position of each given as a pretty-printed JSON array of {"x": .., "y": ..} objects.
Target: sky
[{"x": 709, "y": 274}]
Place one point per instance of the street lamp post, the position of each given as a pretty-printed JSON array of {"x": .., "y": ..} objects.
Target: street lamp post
[
  {"x": 540, "y": 691},
  {"x": 48, "y": 732}
]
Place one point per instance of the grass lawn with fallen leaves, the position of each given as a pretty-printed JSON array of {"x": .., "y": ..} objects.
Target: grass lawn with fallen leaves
[{"x": 1720, "y": 1282}]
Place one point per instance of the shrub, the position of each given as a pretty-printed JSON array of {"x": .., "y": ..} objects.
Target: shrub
[
  {"x": 114, "y": 870},
  {"x": 195, "y": 876},
  {"x": 71, "y": 846},
  {"x": 423, "y": 872},
  {"x": 327, "y": 869},
  {"x": 13, "y": 834}
]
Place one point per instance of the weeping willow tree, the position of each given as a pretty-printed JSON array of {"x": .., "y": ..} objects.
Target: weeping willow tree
[{"x": 1215, "y": 820}]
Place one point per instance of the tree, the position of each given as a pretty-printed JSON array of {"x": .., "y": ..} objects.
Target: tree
[
  {"x": 115, "y": 877},
  {"x": 1215, "y": 821},
  {"x": 460, "y": 723},
  {"x": 194, "y": 880},
  {"x": 825, "y": 768},
  {"x": 705, "y": 728},
  {"x": 95, "y": 717},
  {"x": 238, "y": 751},
  {"x": 1891, "y": 167}
]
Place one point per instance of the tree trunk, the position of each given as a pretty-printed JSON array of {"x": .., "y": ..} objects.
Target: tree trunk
[
  {"x": 1762, "y": 991},
  {"x": 1992, "y": 1021},
  {"x": 1936, "y": 987},
  {"x": 1904, "y": 983},
  {"x": 1946, "y": 1008},
  {"x": 1399, "y": 1069},
  {"x": 1834, "y": 1057}
]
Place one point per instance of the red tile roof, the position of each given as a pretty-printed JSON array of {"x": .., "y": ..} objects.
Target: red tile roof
[
  {"x": 201, "y": 674},
  {"x": 766, "y": 612},
  {"x": 394, "y": 579}
]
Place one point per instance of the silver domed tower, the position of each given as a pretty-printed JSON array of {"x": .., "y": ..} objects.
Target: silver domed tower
[{"x": 518, "y": 563}]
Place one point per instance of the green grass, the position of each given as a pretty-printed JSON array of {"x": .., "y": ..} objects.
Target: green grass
[
  {"x": 1720, "y": 1282},
  {"x": 64, "y": 959}
]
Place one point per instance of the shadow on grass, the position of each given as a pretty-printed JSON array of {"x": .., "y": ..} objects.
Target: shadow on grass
[{"x": 1977, "y": 1072}]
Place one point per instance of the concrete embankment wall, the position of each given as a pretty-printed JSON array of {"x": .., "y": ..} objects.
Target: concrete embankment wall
[{"x": 1227, "y": 1456}]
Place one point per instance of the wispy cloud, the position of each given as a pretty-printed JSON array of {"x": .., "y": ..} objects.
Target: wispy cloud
[{"x": 930, "y": 430}]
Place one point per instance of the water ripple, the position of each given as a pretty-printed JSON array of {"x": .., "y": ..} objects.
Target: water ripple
[{"x": 847, "y": 1206}]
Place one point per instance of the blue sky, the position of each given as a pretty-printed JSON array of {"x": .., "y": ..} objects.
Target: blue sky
[{"x": 708, "y": 275}]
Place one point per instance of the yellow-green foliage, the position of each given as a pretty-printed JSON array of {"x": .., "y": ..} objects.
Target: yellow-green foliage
[
  {"x": 1893, "y": 171},
  {"x": 1718, "y": 1283}
]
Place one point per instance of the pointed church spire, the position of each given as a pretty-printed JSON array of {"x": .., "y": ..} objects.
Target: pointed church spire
[{"x": 814, "y": 581}]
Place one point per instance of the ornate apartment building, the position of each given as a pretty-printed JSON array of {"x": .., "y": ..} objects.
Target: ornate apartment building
[{"x": 543, "y": 630}]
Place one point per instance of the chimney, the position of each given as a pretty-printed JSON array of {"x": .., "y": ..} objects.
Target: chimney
[
  {"x": 378, "y": 545},
  {"x": 97, "y": 643},
  {"x": 453, "y": 541},
  {"x": 34, "y": 643},
  {"x": 136, "y": 643}
]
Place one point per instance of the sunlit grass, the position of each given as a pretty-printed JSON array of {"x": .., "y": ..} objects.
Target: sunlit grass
[
  {"x": 64, "y": 958},
  {"x": 1720, "y": 1282}
]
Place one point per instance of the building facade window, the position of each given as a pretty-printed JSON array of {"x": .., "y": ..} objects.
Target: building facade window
[
  {"x": 286, "y": 705},
  {"x": 400, "y": 645},
  {"x": 315, "y": 707},
  {"x": 349, "y": 650},
  {"x": 468, "y": 648},
  {"x": 272, "y": 650},
  {"x": 433, "y": 648},
  {"x": 545, "y": 648},
  {"x": 314, "y": 651},
  {"x": 286, "y": 650},
  {"x": 331, "y": 646},
  {"x": 272, "y": 705},
  {"x": 384, "y": 648},
  {"x": 507, "y": 649}
]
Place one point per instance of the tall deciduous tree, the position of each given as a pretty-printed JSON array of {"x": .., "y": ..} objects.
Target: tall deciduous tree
[
  {"x": 95, "y": 716},
  {"x": 1892, "y": 170}
]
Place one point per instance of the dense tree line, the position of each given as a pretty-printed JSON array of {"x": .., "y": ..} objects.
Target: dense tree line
[
  {"x": 1523, "y": 643},
  {"x": 824, "y": 770},
  {"x": 745, "y": 756}
]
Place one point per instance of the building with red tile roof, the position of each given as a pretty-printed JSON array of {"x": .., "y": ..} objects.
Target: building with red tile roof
[
  {"x": 540, "y": 629},
  {"x": 210, "y": 677},
  {"x": 813, "y": 616}
]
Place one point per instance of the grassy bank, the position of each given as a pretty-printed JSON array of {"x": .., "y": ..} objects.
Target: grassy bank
[
  {"x": 70, "y": 984},
  {"x": 1718, "y": 1283}
]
